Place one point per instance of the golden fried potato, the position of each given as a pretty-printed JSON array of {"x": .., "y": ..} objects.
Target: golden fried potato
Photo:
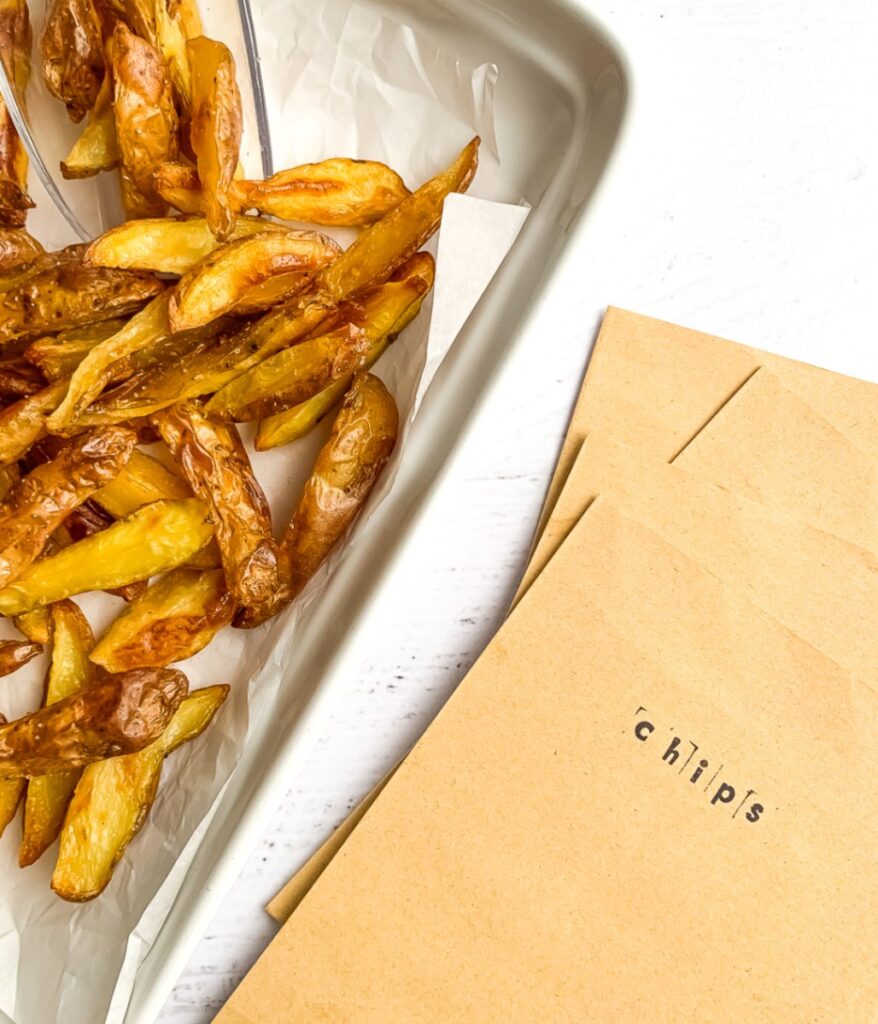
[
  {"x": 164, "y": 244},
  {"x": 19, "y": 379},
  {"x": 86, "y": 521},
  {"x": 70, "y": 671},
  {"x": 24, "y": 422},
  {"x": 114, "y": 798},
  {"x": 301, "y": 372},
  {"x": 36, "y": 625},
  {"x": 176, "y": 22},
  {"x": 10, "y": 797},
  {"x": 176, "y": 617},
  {"x": 48, "y": 494},
  {"x": 72, "y": 54},
  {"x": 146, "y": 119},
  {"x": 95, "y": 370},
  {"x": 143, "y": 480},
  {"x": 18, "y": 249},
  {"x": 97, "y": 148},
  {"x": 155, "y": 538},
  {"x": 375, "y": 255},
  {"x": 216, "y": 465},
  {"x": 58, "y": 355},
  {"x": 114, "y": 715},
  {"x": 70, "y": 295},
  {"x": 248, "y": 275},
  {"x": 15, "y": 653},
  {"x": 15, "y": 50},
  {"x": 293, "y": 375},
  {"x": 335, "y": 193},
  {"x": 9, "y": 477},
  {"x": 215, "y": 128},
  {"x": 180, "y": 187},
  {"x": 363, "y": 437}
]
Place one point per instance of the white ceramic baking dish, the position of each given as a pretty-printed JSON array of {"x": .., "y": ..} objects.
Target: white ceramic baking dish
[{"x": 559, "y": 122}]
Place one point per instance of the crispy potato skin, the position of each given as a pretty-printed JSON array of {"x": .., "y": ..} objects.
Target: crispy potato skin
[
  {"x": 174, "y": 619},
  {"x": 363, "y": 437},
  {"x": 374, "y": 256},
  {"x": 115, "y": 715},
  {"x": 19, "y": 379},
  {"x": 24, "y": 423},
  {"x": 233, "y": 277},
  {"x": 300, "y": 372},
  {"x": 165, "y": 244},
  {"x": 15, "y": 653},
  {"x": 15, "y": 49},
  {"x": 293, "y": 375},
  {"x": 114, "y": 798},
  {"x": 18, "y": 249},
  {"x": 71, "y": 295},
  {"x": 48, "y": 795},
  {"x": 48, "y": 494},
  {"x": 215, "y": 464},
  {"x": 335, "y": 193},
  {"x": 72, "y": 55},
  {"x": 146, "y": 119},
  {"x": 155, "y": 538},
  {"x": 215, "y": 129},
  {"x": 180, "y": 187},
  {"x": 58, "y": 355},
  {"x": 97, "y": 148}
]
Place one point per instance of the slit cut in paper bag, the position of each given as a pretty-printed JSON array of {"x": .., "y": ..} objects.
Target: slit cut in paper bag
[
  {"x": 654, "y": 385},
  {"x": 657, "y": 825}
]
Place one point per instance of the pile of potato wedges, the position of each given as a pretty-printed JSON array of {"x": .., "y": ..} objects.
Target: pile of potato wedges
[{"x": 126, "y": 365}]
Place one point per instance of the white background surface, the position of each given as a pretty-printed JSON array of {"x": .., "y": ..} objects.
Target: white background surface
[{"x": 745, "y": 204}]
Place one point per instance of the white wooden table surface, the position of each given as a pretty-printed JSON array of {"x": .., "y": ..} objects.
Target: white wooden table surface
[{"x": 746, "y": 205}]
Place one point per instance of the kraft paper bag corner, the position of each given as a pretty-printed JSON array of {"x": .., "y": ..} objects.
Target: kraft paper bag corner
[
  {"x": 655, "y": 385},
  {"x": 648, "y": 799}
]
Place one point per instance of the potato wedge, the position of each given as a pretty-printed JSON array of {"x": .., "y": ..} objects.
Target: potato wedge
[
  {"x": 335, "y": 193},
  {"x": 176, "y": 22},
  {"x": 24, "y": 422},
  {"x": 57, "y": 356},
  {"x": 15, "y": 653},
  {"x": 95, "y": 371},
  {"x": 347, "y": 467},
  {"x": 70, "y": 671},
  {"x": 70, "y": 295},
  {"x": 36, "y": 625},
  {"x": 10, "y": 797},
  {"x": 15, "y": 51},
  {"x": 293, "y": 375},
  {"x": 146, "y": 119},
  {"x": 115, "y": 715},
  {"x": 97, "y": 148},
  {"x": 9, "y": 477},
  {"x": 86, "y": 521},
  {"x": 235, "y": 276},
  {"x": 72, "y": 55},
  {"x": 302, "y": 371},
  {"x": 19, "y": 379},
  {"x": 164, "y": 244},
  {"x": 176, "y": 617},
  {"x": 18, "y": 249},
  {"x": 180, "y": 187},
  {"x": 155, "y": 538},
  {"x": 114, "y": 798},
  {"x": 375, "y": 255},
  {"x": 216, "y": 465},
  {"x": 143, "y": 480},
  {"x": 215, "y": 128},
  {"x": 48, "y": 494}
]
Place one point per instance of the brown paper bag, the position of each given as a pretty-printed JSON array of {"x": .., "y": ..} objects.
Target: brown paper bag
[
  {"x": 820, "y": 586},
  {"x": 655, "y": 385},
  {"x": 647, "y": 801}
]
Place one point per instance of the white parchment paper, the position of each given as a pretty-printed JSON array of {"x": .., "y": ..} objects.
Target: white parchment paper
[{"x": 339, "y": 79}]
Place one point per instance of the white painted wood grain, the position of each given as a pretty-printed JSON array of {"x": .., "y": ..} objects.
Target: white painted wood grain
[{"x": 747, "y": 205}]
